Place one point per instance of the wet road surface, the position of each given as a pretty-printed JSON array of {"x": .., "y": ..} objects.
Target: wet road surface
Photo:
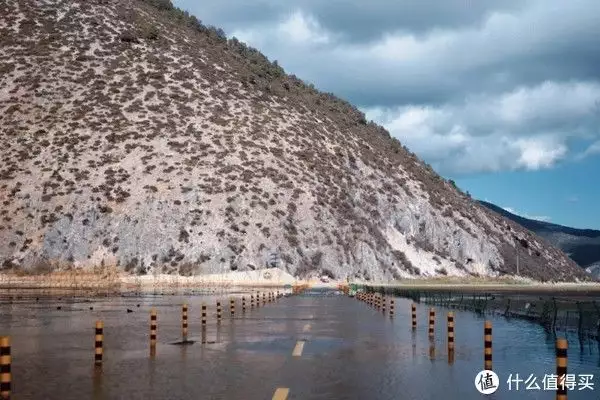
[{"x": 309, "y": 346}]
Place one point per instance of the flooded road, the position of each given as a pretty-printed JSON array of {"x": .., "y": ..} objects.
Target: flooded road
[{"x": 348, "y": 350}]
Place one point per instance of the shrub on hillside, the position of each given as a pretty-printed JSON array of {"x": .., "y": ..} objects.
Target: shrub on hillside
[
  {"x": 161, "y": 4},
  {"x": 150, "y": 32},
  {"x": 128, "y": 37}
]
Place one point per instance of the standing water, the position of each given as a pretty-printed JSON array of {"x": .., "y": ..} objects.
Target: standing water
[{"x": 351, "y": 351}]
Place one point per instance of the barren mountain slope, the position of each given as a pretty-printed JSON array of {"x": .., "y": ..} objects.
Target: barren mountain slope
[
  {"x": 581, "y": 245},
  {"x": 133, "y": 135}
]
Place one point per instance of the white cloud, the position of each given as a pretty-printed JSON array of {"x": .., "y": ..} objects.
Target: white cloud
[
  {"x": 303, "y": 29},
  {"x": 514, "y": 130},
  {"x": 535, "y": 217},
  {"x": 296, "y": 30},
  {"x": 538, "y": 153}
]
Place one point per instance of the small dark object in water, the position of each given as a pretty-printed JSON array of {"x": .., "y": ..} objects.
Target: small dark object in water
[
  {"x": 91, "y": 308},
  {"x": 128, "y": 310},
  {"x": 138, "y": 305},
  {"x": 59, "y": 307},
  {"x": 37, "y": 299},
  {"x": 184, "y": 342}
]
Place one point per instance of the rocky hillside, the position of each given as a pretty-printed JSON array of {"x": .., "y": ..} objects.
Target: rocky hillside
[{"x": 133, "y": 135}]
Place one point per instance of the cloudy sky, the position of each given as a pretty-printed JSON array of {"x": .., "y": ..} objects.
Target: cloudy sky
[{"x": 501, "y": 96}]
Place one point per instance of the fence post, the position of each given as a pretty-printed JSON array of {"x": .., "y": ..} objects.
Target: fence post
[{"x": 414, "y": 316}]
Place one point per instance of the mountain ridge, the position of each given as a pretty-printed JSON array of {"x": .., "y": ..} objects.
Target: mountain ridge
[
  {"x": 137, "y": 137},
  {"x": 582, "y": 245}
]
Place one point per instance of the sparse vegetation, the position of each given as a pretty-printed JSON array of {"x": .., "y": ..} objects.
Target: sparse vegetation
[{"x": 190, "y": 139}]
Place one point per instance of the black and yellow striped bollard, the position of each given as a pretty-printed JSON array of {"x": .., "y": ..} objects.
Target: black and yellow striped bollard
[
  {"x": 184, "y": 322},
  {"x": 5, "y": 372},
  {"x": 383, "y": 304},
  {"x": 203, "y": 315},
  {"x": 257, "y": 299},
  {"x": 152, "y": 329},
  {"x": 232, "y": 307},
  {"x": 264, "y": 299},
  {"x": 487, "y": 343},
  {"x": 561, "y": 368},
  {"x": 414, "y": 316},
  {"x": 99, "y": 343},
  {"x": 243, "y": 304},
  {"x": 391, "y": 308},
  {"x": 219, "y": 311},
  {"x": 431, "y": 323},
  {"x": 450, "y": 331}
]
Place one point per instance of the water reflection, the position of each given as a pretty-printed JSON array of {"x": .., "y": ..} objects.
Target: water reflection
[
  {"x": 432, "y": 350},
  {"x": 97, "y": 379}
]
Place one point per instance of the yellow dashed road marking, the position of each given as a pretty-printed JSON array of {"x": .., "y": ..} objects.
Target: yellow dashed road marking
[
  {"x": 298, "y": 349},
  {"x": 281, "y": 394},
  {"x": 306, "y": 328}
]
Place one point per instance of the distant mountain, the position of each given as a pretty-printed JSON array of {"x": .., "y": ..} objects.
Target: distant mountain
[{"x": 581, "y": 245}]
